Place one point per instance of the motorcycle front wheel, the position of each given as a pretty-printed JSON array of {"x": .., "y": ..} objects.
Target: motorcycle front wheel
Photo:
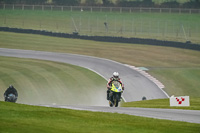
[
  {"x": 111, "y": 104},
  {"x": 116, "y": 101}
]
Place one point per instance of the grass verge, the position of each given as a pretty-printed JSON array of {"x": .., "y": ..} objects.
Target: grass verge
[
  {"x": 162, "y": 103},
  {"x": 179, "y": 81},
  {"x": 21, "y": 118},
  {"x": 46, "y": 82}
]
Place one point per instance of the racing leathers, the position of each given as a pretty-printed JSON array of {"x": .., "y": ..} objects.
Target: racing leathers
[{"x": 10, "y": 90}]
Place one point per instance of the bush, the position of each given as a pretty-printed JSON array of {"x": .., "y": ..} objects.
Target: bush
[{"x": 67, "y": 2}]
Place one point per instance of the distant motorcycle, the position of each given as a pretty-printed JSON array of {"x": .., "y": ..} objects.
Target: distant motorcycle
[
  {"x": 11, "y": 98},
  {"x": 115, "y": 94}
]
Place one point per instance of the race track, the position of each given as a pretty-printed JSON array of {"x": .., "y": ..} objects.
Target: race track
[
  {"x": 136, "y": 85},
  {"x": 192, "y": 116}
]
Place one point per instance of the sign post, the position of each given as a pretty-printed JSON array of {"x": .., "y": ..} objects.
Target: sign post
[{"x": 179, "y": 101}]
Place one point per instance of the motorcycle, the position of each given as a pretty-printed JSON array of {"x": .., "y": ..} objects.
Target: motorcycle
[
  {"x": 11, "y": 98},
  {"x": 115, "y": 94}
]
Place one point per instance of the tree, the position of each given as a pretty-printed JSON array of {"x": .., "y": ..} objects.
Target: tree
[
  {"x": 170, "y": 4},
  {"x": 91, "y": 2},
  {"x": 192, "y": 4},
  {"x": 23, "y": 1},
  {"x": 66, "y": 2},
  {"x": 34, "y": 1},
  {"x": 107, "y": 2}
]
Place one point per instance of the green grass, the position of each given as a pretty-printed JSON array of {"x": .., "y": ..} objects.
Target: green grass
[
  {"x": 164, "y": 26},
  {"x": 20, "y": 118},
  {"x": 133, "y": 54},
  {"x": 45, "y": 82},
  {"x": 177, "y": 68},
  {"x": 162, "y": 103},
  {"x": 184, "y": 81}
]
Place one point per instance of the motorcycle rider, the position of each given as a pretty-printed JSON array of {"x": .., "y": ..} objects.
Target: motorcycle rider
[
  {"x": 115, "y": 77},
  {"x": 10, "y": 90}
]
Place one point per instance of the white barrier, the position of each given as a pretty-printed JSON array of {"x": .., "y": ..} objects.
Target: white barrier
[
  {"x": 100, "y": 9},
  {"x": 179, "y": 101}
]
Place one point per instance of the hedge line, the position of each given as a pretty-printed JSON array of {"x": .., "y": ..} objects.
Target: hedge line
[{"x": 186, "y": 45}]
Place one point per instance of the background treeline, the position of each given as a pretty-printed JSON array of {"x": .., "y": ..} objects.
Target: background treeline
[{"x": 117, "y": 3}]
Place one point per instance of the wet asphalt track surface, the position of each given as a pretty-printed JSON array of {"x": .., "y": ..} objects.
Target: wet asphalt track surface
[
  {"x": 192, "y": 116},
  {"x": 136, "y": 85}
]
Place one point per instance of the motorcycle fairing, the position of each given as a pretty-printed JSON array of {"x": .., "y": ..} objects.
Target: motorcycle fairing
[{"x": 116, "y": 87}]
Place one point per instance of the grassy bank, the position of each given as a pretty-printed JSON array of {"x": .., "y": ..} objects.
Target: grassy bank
[
  {"x": 184, "y": 81},
  {"x": 20, "y": 118},
  {"x": 45, "y": 82},
  {"x": 162, "y": 103},
  {"x": 177, "y": 68},
  {"x": 163, "y": 26},
  {"x": 133, "y": 54}
]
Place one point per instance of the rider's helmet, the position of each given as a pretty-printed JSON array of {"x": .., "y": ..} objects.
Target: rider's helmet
[
  {"x": 11, "y": 86},
  {"x": 115, "y": 75}
]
